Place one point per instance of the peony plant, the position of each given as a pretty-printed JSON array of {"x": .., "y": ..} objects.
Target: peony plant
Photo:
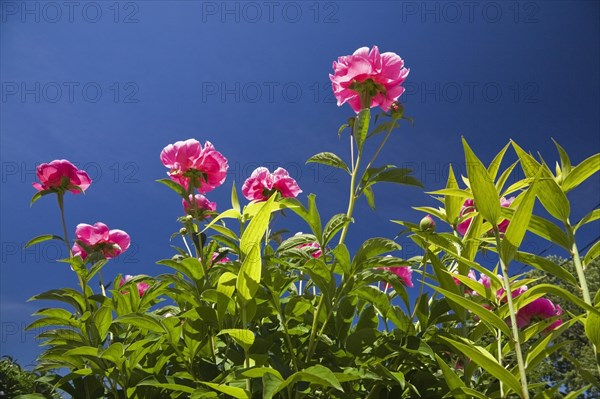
[{"x": 243, "y": 311}]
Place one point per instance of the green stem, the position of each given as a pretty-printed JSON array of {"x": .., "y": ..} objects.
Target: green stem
[
  {"x": 513, "y": 319},
  {"x": 581, "y": 276},
  {"x": 246, "y": 358},
  {"x": 578, "y": 266},
  {"x": 499, "y": 339},
  {"x": 61, "y": 206},
  {"x": 382, "y": 144},
  {"x": 351, "y": 200}
]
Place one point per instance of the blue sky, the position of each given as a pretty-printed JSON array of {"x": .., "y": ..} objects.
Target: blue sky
[{"x": 107, "y": 85}]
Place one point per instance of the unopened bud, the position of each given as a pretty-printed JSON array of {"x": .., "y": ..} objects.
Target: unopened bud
[
  {"x": 183, "y": 231},
  {"x": 427, "y": 224}
]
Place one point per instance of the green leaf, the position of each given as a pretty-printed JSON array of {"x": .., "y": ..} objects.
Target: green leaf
[
  {"x": 482, "y": 186},
  {"x": 453, "y": 381},
  {"x": 310, "y": 216},
  {"x": 495, "y": 165},
  {"x": 178, "y": 188},
  {"x": 335, "y": 224},
  {"x": 244, "y": 338},
  {"x": 189, "y": 267},
  {"x": 141, "y": 320},
  {"x": 545, "y": 229},
  {"x": 342, "y": 128},
  {"x": 485, "y": 360},
  {"x": 361, "y": 127},
  {"x": 550, "y": 194},
  {"x": 590, "y": 217},
  {"x": 342, "y": 258},
  {"x": 330, "y": 159},
  {"x": 228, "y": 214},
  {"x": 581, "y": 172},
  {"x": 452, "y": 204},
  {"x": 370, "y": 196},
  {"x": 250, "y": 245},
  {"x": 395, "y": 175},
  {"x": 237, "y": 393},
  {"x": 318, "y": 375},
  {"x": 483, "y": 313},
  {"x": 565, "y": 162},
  {"x": 166, "y": 385},
  {"x": 518, "y": 224},
  {"x": 592, "y": 254},
  {"x": 504, "y": 177},
  {"x": 39, "y": 195},
  {"x": 235, "y": 202},
  {"x": 373, "y": 247},
  {"x": 42, "y": 238},
  {"x": 547, "y": 266}
]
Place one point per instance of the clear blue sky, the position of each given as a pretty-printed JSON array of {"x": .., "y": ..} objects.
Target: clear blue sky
[{"x": 107, "y": 85}]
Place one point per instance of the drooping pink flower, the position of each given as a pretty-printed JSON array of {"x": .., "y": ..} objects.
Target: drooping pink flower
[
  {"x": 98, "y": 238},
  {"x": 262, "y": 184},
  {"x": 141, "y": 286},
  {"x": 187, "y": 160},
  {"x": 385, "y": 74},
  {"x": 61, "y": 175},
  {"x": 469, "y": 206},
  {"x": 471, "y": 275},
  {"x": 224, "y": 259},
  {"x": 198, "y": 206},
  {"x": 404, "y": 272},
  {"x": 485, "y": 280},
  {"x": 313, "y": 248},
  {"x": 539, "y": 309}
]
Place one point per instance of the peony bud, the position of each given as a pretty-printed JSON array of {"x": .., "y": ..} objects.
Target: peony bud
[{"x": 427, "y": 224}]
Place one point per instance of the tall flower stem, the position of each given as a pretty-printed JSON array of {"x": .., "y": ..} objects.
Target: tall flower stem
[
  {"x": 61, "y": 206},
  {"x": 513, "y": 319}
]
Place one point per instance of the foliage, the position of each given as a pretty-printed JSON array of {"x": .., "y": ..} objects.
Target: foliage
[
  {"x": 246, "y": 312},
  {"x": 17, "y": 383},
  {"x": 557, "y": 368}
]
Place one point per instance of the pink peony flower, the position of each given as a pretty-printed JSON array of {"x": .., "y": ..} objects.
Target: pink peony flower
[
  {"x": 378, "y": 76},
  {"x": 98, "y": 238},
  {"x": 404, "y": 272},
  {"x": 469, "y": 206},
  {"x": 539, "y": 309},
  {"x": 187, "y": 160},
  {"x": 61, "y": 175},
  {"x": 198, "y": 206},
  {"x": 142, "y": 287},
  {"x": 313, "y": 248},
  {"x": 262, "y": 184}
]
